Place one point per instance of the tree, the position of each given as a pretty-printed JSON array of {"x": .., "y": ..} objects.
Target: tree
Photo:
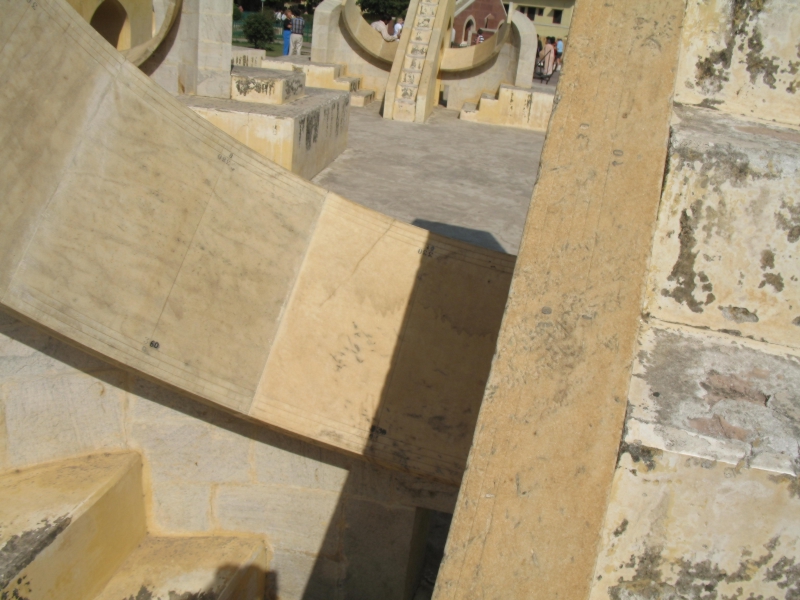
[
  {"x": 377, "y": 9},
  {"x": 259, "y": 29}
]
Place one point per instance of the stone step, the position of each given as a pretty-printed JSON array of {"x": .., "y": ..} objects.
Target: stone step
[
  {"x": 361, "y": 98},
  {"x": 218, "y": 566},
  {"x": 469, "y": 112},
  {"x": 351, "y": 84},
  {"x": 67, "y": 526},
  {"x": 266, "y": 86},
  {"x": 318, "y": 75},
  {"x": 525, "y": 108}
]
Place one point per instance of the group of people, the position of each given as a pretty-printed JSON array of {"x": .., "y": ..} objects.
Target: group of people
[
  {"x": 549, "y": 55},
  {"x": 382, "y": 27},
  {"x": 292, "y": 27}
]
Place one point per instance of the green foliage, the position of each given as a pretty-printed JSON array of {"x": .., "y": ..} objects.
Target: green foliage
[
  {"x": 376, "y": 9},
  {"x": 311, "y": 5},
  {"x": 237, "y": 13},
  {"x": 259, "y": 29}
]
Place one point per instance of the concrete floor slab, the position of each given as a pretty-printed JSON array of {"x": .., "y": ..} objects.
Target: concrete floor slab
[{"x": 467, "y": 181}]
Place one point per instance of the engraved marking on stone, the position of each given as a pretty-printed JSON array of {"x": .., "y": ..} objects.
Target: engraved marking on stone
[
  {"x": 427, "y": 251},
  {"x": 154, "y": 344}
]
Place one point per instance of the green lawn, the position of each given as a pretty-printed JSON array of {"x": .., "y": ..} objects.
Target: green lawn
[{"x": 275, "y": 49}]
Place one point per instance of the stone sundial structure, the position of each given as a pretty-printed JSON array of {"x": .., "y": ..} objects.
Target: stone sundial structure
[{"x": 219, "y": 380}]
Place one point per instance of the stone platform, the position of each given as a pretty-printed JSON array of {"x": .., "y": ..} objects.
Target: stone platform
[{"x": 304, "y": 136}]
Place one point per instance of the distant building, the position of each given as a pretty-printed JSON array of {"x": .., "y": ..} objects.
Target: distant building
[
  {"x": 472, "y": 15},
  {"x": 551, "y": 17}
]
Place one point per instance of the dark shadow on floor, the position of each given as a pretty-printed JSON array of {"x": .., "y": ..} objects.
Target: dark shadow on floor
[{"x": 476, "y": 237}]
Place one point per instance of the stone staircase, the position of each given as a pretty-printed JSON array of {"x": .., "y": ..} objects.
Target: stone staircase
[
  {"x": 77, "y": 529},
  {"x": 322, "y": 75},
  {"x": 524, "y": 108}
]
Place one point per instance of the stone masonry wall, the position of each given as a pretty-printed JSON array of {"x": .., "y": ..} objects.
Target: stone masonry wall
[
  {"x": 339, "y": 526},
  {"x": 705, "y": 501}
]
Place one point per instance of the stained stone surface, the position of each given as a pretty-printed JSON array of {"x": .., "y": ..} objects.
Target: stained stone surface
[
  {"x": 151, "y": 238},
  {"x": 742, "y": 57},
  {"x": 727, "y": 249},
  {"x": 533, "y": 500}
]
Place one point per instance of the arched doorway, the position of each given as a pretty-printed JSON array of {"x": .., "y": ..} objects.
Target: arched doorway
[
  {"x": 111, "y": 21},
  {"x": 469, "y": 31}
]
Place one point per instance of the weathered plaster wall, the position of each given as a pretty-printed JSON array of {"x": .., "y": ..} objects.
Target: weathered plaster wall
[
  {"x": 727, "y": 245},
  {"x": 705, "y": 501},
  {"x": 334, "y": 523},
  {"x": 681, "y": 527},
  {"x": 717, "y": 397},
  {"x": 743, "y": 57}
]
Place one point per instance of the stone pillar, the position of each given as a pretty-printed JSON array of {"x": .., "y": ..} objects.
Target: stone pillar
[{"x": 195, "y": 59}]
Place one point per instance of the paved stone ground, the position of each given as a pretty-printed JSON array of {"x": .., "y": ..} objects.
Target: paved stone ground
[{"x": 467, "y": 181}]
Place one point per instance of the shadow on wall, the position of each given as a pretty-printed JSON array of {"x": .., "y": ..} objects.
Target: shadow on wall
[
  {"x": 366, "y": 544},
  {"x": 373, "y": 539},
  {"x": 476, "y": 237},
  {"x": 428, "y": 394}
]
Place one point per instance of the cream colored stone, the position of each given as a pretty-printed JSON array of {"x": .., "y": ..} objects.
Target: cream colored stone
[
  {"x": 742, "y": 58},
  {"x": 265, "y": 86},
  {"x": 75, "y": 522},
  {"x": 725, "y": 254},
  {"x": 297, "y": 519},
  {"x": 281, "y": 467},
  {"x": 304, "y": 576},
  {"x": 48, "y": 417},
  {"x": 715, "y": 397},
  {"x": 513, "y": 107},
  {"x": 414, "y": 401},
  {"x": 171, "y": 249},
  {"x": 513, "y": 65},
  {"x": 196, "y": 55},
  {"x": 303, "y": 136},
  {"x": 680, "y": 526},
  {"x": 423, "y": 17},
  {"x": 366, "y": 36},
  {"x": 217, "y": 567},
  {"x": 533, "y": 499},
  {"x": 192, "y": 451},
  {"x": 247, "y": 57},
  {"x": 179, "y": 506},
  {"x": 184, "y": 450}
]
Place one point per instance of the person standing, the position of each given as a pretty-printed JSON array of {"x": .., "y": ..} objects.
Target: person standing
[
  {"x": 297, "y": 25},
  {"x": 559, "y": 53},
  {"x": 286, "y": 25},
  {"x": 398, "y": 26},
  {"x": 380, "y": 27},
  {"x": 547, "y": 58}
]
